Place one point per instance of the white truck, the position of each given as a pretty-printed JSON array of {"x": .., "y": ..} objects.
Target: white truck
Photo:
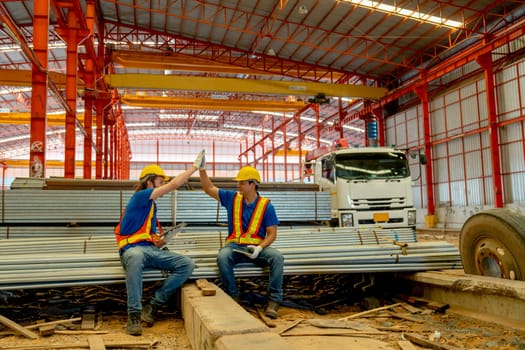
[{"x": 369, "y": 185}]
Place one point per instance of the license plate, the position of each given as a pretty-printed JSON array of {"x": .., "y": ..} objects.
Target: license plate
[{"x": 381, "y": 217}]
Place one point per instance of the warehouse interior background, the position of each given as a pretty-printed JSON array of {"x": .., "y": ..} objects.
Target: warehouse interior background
[{"x": 96, "y": 89}]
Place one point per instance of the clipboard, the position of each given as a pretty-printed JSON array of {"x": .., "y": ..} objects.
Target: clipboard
[
  {"x": 172, "y": 231},
  {"x": 246, "y": 251}
]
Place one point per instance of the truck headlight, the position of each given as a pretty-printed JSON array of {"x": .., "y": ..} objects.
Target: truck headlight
[
  {"x": 411, "y": 218},
  {"x": 347, "y": 220}
]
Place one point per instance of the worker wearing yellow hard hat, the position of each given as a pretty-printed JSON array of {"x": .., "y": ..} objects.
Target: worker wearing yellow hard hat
[
  {"x": 252, "y": 228},
  {"x": 248, "y": 173},
  {"x": 140, "y": 239},
  {"x": 153, "y": 169}
]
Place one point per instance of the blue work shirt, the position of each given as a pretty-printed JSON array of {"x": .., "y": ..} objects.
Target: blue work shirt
[
  {"x": 269, "y": 219},
  {"x": 137, "y": 212}
]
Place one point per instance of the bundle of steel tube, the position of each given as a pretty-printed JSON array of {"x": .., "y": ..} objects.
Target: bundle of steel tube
[
  {"x": 106, "y": 207},
  {"x": 72, "y": 260}
]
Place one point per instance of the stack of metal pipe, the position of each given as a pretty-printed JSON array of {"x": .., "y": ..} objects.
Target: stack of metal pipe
[{"x": 86, "y": 259}]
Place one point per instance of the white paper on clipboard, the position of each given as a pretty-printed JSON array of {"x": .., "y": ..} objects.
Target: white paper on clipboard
[{"x": 172, "y": 232}]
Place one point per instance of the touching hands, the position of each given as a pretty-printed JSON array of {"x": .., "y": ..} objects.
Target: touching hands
[
  {"x": 255, "y": 251},
  {"x": 203, "y": 163},
  {"x": 200, "y": 161}
]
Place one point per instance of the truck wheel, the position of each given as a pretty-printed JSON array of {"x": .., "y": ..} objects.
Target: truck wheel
[{"x": 492, "y": 243}]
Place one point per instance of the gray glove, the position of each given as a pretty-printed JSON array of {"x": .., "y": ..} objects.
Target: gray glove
[{"x": 198, "y": 161}]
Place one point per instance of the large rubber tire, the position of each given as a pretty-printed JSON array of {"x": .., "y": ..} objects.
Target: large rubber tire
[{"x": 492, "y": 243}]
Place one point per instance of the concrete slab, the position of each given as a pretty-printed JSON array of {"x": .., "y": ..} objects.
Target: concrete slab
[
  {"x": 259, "y": 341},
  {"x": 335, "y": 342},
  {"x": 208, "y": 318},
  {"x": 484, "y": 295}
]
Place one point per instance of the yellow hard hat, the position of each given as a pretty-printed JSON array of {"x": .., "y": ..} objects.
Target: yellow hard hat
[
  {"x": 153, "y": 169},
  {"x": 248, "y": 173}
]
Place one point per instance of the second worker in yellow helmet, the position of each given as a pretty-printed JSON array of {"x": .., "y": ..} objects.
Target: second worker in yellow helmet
[{"x": 252, "y": 228}]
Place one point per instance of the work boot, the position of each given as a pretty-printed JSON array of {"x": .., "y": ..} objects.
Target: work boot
[
  {"x": 134, "y": 327},
  {"x": 149, "y": 314},
  {"x": 271, "y": 309}
]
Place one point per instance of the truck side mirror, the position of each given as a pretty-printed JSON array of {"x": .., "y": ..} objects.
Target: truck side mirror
[{"x": 423, "y": 159}]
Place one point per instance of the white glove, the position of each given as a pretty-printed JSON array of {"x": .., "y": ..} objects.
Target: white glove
[
  {"x": 255, "y": 249},
  {"x": 198, "y": 161},
  {"x": 203, "y": 163}
]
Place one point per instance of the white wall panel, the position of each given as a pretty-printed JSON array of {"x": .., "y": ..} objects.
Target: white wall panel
[
  {"x": 458, "y": 193},
  {"x": 437, "y": 119},
  {"x": 457, "y": 168},
  {"x": 508, "y": 100},
  {"x": 453, "y": 118},
  {"x": 487, "y": 162},
  {"x": 511, "y": 158},
  {"x": 401, "y": 132},
  {"x": 474, "y": 192},
  {"x": 455, "y": 146},
  {"x": 442, "y": 195},
  {"x": 470, "y": 113},
  {"x": 514, "y": 188},
  {"x": 413, "y": 137},
  {"x": 473, "y": 164},
  {"x": 471, "y": 143},
  {"x": 511, "y": 133}
]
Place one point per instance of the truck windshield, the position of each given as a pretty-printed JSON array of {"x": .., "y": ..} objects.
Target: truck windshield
[{"x": 387, "y": 165}]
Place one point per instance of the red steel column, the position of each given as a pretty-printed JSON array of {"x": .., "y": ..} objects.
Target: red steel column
[
  {"x": 73, "y": 36},
  {"x": 300, "y": 145},
  {"x": 106, "y": 148},
  {"x": 485, "y": 61},
  {"x": 99, "y": 118},
  {"x": 422, "y": 92},
  {"x": 285, "y": 145},
  {"x": 88, "y": 93},
  {"x": 111, "y": 152},
  {"x": 37, "y": 148},
  {"x": 273, "y": 148}
]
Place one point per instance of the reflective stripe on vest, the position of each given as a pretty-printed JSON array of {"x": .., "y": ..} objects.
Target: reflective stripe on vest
[
  {"x": 251, "y": 235},
  {"x": 141, "y": 235}
]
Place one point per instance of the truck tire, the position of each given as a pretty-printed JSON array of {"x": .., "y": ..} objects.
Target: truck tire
[{"x": 492, "y": 243}]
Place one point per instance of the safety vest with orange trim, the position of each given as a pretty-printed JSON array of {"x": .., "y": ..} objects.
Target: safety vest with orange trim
[
  {"x": 141, "y": 235},
  {"x": 251, "y": 235}
]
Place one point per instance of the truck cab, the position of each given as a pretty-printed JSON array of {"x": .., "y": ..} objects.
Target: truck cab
[{"x": 369, "y": 186}]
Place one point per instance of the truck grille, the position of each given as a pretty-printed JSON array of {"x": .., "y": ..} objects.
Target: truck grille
[{"x": 379, "y": 203}]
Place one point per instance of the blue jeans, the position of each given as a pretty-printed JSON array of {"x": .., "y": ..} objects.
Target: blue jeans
[
  {"x": 136, "y": 259},
  {"x": 227, "y": 259}
]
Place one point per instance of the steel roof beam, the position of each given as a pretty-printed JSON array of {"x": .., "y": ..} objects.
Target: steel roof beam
[
  {"x": 210, "y": 104},
  {"x": 270, "y": 87}
]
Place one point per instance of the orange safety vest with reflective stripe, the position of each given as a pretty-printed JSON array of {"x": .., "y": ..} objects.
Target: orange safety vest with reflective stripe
[
  {"x": 141, "y": 235},
  {"x": 251, "y": 236}
]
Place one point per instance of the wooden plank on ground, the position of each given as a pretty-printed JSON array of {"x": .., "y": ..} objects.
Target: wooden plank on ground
[
  {"x": 424, "y": 342},
  {"x": 406, "y": 345},
  {"x": 96, "y": 342},
  {"x": 18, "y": 328},
  {"x": 205, "y": 286},
  {"x": 138, "y": 344},
  {"x": 40, "y": 324},
  {"x": 359, "y": 314},
  {"x": 88, "y": 320},
  {"x": 47, "y": 330},
  {"x": 431, "y": 304}
]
